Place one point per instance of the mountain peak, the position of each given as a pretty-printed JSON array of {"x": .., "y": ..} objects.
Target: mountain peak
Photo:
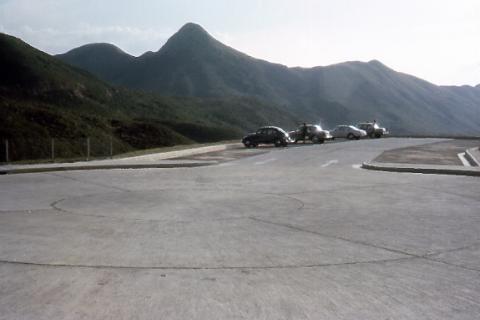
[
  {"x": 191, "y": 27},
  {"x": 97, "y": 48},
  {"x": 376, "y": 63},
  {"x": 191, "y": 32},
  {"x": 190, "y": 35},
  {"x": 102, "y": 59}
]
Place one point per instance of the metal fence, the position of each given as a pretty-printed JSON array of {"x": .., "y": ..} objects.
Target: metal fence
[{"x": 59, "y": 149}]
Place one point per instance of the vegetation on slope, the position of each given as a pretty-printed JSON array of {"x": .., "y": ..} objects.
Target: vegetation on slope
[
  {"x": 41, "y": 98},
  {"x": 193, "y": 63}
]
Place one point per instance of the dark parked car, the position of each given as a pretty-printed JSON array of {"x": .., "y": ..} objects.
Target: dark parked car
[
  {"x": 373, "y": 129},
  {"x": 314, "y": 132},
  {"x": 267, "y": 135}
]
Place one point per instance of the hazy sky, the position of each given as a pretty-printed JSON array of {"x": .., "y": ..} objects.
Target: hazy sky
[{"x": 436, "y": 40}]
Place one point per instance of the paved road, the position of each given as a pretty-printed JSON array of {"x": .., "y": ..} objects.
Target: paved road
[{"x": 294, "y": 233}]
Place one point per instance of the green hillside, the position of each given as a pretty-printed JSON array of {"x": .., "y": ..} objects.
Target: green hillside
[
  {"x": 193, "y": 63},
  {"x": 41, "y": 97},
  {"x": 103, "y": 60}
]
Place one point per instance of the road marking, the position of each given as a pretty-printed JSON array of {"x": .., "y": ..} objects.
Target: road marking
[
  {"x": 463, "y": 159},
  {"x": 259, "y": 163},
  {"x": 329, "y": 163}
]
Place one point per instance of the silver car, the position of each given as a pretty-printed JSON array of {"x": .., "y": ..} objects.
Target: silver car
[{"x": 348, "y": 132}]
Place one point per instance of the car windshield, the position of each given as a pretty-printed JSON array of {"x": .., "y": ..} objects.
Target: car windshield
[
  {"x": 282, "y": 131},
  {"x": 353, "y": 127},
  {"x": 318, "y": 127}
]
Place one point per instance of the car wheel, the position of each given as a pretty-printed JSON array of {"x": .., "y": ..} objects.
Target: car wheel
[
  {"x": 247, "y": 144},
  {"x": 278, "y": 143},
  {"x": 350, "y": 136},
  {"x": 315, "y": 139},
  {"x": 321, "y": 141},
  {"x": 378, "y": 135}
]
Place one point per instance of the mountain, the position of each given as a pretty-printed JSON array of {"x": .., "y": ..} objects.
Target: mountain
[
  {"x": 193, "y": 63},
  {"x": 42, "y": 97},
  {"x": 104, "y": 60}
]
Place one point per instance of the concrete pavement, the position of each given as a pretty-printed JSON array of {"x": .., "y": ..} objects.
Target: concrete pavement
[
  {"x": 453, "y": 157},
  {"x": 292, "y": 233}
]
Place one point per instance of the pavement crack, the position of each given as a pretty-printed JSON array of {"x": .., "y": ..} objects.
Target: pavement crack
[
  {"x": 292, "y": 227},
  {"x": 200, "y": 268},
  {"x": 300, "y": 202},
  {"x": 452, "y": 264},
  {"x": 26, "y": 211},
  {"x": 473, "y": 245},
  {"x": 346, "y": 188},
  {"x": 449, "y": 193},
  {"x": 89, "y": 182},
  {"x": 55, "y": 206},
  {"x": 427, "y": 257}
]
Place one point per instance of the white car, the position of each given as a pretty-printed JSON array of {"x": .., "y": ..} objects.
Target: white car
[{"x": 348, "y": 132}]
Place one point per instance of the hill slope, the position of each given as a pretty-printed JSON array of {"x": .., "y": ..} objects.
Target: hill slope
[
  {"x": 42, "y": 97},
  {"x": 193, "y": 63},
  {"x": 103, "y": 60}
]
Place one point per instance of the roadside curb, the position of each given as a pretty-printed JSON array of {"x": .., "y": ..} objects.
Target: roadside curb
[
  {"x": 103, "y": 167},
  {"x": 421, "y": 168},
  {"x": 473, "y": 156},
  {"x": 149, "y": 161},
  {"x": 181, "y": 153}
]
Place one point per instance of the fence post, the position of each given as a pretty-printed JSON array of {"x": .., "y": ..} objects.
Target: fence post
[
  {"x": 111, "y": 147},
  {"x": 53, "y": 150},
  {"x": 88, "y": 149},
  {"x": 6, "y": 150}
]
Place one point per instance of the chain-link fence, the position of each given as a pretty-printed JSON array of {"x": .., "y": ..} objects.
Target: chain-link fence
[{"x": 59, "y": 149}]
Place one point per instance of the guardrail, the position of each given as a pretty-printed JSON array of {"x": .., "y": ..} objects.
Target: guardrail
[{"x": 54, "y": 149}]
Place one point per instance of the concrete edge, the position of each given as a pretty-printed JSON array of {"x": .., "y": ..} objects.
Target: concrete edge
[
  {"x": 473, "y": 156},
  {"x": 122, "y": 163},
  {"x": 182, "y": 153},
  {"x": 104, "y": 167},
  {"x": 424, "y": 169}
]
